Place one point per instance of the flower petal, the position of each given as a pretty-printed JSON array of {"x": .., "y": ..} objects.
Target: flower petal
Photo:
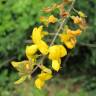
[
  {"x": 43, "y": 47},
  {"x": 36, "y": 34},
  {"x": 56, "y": 65},
  {"x": 39, "y": 83},
  {"x": 20, "y": 66},
  {"x": 69, "y": 45},
  {"x": 57, "y": 51},
  {"x": 30, "y": 51},
  {"x": 54, "y": 52},
  {"x": 45, "y": 69},
  {"x": 63, "y": 51},
  {"x": 52, "y": 19},
  {"x": 45, "y": 76}
]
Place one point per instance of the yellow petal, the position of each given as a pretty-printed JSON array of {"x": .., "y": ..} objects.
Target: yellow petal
[
  {"x": 76, "y": 19},
  {"x": 45, "y": 69},
  {"x": 45, "y": 76},
  {"x": 36, "y": 34},
  {"x": 69, "y": 45},
  {"x": 63, "y": 51},
  {"x": 43, "y": 47},
  {"x": 23, "y": 66},
  {"x": 54, "y": 52},
  {"x": 52, "y": 19},
  {"x": 30, "y": 51},
  {"x": 64, "y": 37},
  {"x": 57, "y": 51},
  {"x": 74, "y": 33},
  {"x": 39, "y": 83},
  {"x": 15, "y": 64},
  {"x": 68, "y": 40},
  {"x": 73, "y": 41},
  {"x": 56, "y": 65},
  {"x": 19, "y": 65},
  {"x": 22, "y": 79}
]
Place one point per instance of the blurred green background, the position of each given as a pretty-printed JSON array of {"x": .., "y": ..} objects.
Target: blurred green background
[{"x": 77, "y": 78}]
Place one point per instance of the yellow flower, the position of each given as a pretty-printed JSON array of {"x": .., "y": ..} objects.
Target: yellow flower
[
  {"x": 39, "y": 83},
  {"x": 68, "y": 40},
  {"x": 80, "y": 21},
  {"x": 70, "y": 44},
  {"x": 54, "y": 52},
  {"x": 73, "y": 33},
  {"x": 47, "y": 20},
  {"x": 64, "y": 37},
  {"x": 37, "y": 34},
  {"x": 52, "y": 19},
  {"x": 20, "y": 66},
  {"x": 30, "y": 51},
  {"x": 56, "y": 64},
  {"x": 15, "y": 64},
  {"x": 63, "y": 50},
  {"x": 45, "y": 69},
  {"x": 57, "y": 51},
  {"x": 42, "y": 77},
  {"x": 45, "y": 76},
  {"x": 23, "y": 66},
  {"x": 77, "y": 19},
  {"x": 43, "y": 47}
]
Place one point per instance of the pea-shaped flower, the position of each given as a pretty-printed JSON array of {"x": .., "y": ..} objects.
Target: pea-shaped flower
[
  {"x": 37, "y": 36},
  {"x": 55, "y": 54},
  {"x": 45, "y": 75},
  {"x": 69, "y": 38}
]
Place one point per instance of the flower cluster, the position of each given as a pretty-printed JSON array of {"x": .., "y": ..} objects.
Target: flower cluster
[
  {"x": 48, "y": 20},
  {"x": 69, "y": 38},
  {"x": 41, "y": 49}
]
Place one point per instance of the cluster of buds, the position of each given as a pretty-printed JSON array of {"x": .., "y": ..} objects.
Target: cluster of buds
[{"x": 41, "y": 49}]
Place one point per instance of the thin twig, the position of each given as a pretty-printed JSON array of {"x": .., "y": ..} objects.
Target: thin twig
[
  {"x": 88, "y": 45},
  {"x": 7, "y": 61},
  {"x": 38, "y": 65}
]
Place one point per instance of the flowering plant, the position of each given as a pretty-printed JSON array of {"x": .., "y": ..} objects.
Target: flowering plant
[{"x": 42, "y": 48}]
